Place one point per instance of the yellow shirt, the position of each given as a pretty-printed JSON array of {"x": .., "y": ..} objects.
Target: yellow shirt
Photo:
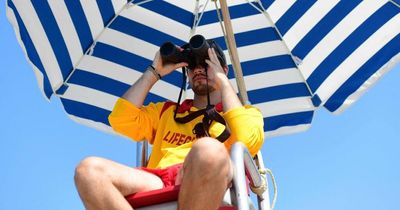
[{"x": 172, "y": 141}]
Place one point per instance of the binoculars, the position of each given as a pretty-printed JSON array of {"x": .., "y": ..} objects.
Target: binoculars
[{"x": 194, "y": 53}]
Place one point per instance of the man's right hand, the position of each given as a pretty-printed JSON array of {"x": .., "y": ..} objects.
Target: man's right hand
[
  {"x": 139, "y": 90},
  {"x": 167, "y": 68}
]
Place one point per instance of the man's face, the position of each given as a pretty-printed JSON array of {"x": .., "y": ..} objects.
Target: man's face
[{"x": 198, "y": 81}]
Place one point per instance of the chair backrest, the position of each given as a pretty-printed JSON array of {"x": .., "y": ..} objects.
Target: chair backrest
[{"x": 142, "y": 153}]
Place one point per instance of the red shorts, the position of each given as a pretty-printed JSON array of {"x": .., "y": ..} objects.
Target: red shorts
[{"x": 167, "y": 175}]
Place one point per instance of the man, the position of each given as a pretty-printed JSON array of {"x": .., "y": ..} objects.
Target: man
[{"x": 206, "y": 171}]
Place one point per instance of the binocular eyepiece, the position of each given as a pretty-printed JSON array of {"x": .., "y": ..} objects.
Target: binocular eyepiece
[{"x": 194, "y": 53}]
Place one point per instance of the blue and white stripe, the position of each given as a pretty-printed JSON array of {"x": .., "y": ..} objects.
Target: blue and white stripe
[{"x": 295, "y": 56}]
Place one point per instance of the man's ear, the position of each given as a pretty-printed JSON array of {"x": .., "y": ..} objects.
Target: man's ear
[{"x": 226, "y": 70}]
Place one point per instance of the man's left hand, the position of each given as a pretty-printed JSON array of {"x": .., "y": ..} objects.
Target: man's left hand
[{"x": 215, "y": 70}]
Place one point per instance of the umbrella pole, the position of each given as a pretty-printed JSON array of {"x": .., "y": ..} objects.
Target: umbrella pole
[{"x": 233, "y": 53}]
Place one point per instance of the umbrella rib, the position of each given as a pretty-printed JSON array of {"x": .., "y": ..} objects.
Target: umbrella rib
[
  {"x": 395, "y": 3},
  {"x": 255, "y": 7},
  {"x": 197, "y": 19},
  {"x": 296, "y": 60},
  {"x": 139, "y": 3}
]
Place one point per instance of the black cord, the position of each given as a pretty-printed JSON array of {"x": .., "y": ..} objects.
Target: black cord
[
  {"x": 208, "y": 92},
  {"x": 180, "y": 93}
]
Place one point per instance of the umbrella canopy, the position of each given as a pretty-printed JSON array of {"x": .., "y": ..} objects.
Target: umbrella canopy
[{"x": 295, "y": 55}]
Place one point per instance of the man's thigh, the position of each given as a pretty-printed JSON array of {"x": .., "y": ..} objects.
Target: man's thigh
[{"x": 129, "y": 180}]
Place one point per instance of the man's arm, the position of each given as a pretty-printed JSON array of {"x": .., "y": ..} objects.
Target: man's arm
[
  {"x": 228, "y": 95},
  {"x": 247, "y": 126},
  {"x": 129, "y": 117},
  {"x": 246, "y": 122},
  {"x": 139, "y": 90}
]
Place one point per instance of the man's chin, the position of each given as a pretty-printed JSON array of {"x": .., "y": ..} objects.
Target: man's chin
[{"x": 201, "y": 90}]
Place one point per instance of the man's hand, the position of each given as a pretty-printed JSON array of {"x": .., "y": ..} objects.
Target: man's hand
[
  {"x": 215, "y": 71},
  {"x": 167, "y": 68},
  {"x": 219, "y": 75}
]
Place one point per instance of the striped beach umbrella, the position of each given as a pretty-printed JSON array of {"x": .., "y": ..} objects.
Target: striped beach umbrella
[{"x": 295, "y": 56}]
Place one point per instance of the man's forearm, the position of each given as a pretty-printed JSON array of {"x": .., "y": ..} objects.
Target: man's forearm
[
  {"x": 229, "y": 97},
  {"x": 139, "y": 90}
]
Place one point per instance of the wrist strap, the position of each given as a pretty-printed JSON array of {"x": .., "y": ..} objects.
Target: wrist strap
[{"x": 154, "y": 71}]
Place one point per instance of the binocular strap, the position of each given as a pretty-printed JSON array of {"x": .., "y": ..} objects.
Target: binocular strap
[
  {"x": 209, "y": 113},
  {"x": 201, "y": 129}
]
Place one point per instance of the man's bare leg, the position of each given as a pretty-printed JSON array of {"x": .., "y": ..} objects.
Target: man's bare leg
[
  {"x": 102, "y": 184},
  {"x": 207, "y": 173}
]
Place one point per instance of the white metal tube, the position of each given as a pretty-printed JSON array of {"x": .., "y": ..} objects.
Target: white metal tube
[
  {"x": 251, "y": 170},
  {"x": 145, "y": 150},
  {"x": 239, "y": 177},
  {"x": 139, "y": 154},
  {"x": 264, "y": 201}
]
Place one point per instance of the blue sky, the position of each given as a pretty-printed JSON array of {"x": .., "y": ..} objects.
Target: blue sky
[{"x": 349, "y": 161}]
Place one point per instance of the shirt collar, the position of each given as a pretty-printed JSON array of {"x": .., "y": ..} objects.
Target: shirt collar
[{"x": 187, "y": 105}]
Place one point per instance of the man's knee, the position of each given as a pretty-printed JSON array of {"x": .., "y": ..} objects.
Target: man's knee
[
  {"x": 90, "y": 168},
  {"x": 209, "y": 152}
]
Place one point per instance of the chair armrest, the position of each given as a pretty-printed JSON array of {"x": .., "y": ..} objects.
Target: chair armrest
[
  {"x": 251, "y": 170},
  {"x": 243, "y": 164}
]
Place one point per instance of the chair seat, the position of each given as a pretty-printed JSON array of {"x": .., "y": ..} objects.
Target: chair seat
[
  {"x": 153, "y": 197},
  {"x": 166, "y": 199}
]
